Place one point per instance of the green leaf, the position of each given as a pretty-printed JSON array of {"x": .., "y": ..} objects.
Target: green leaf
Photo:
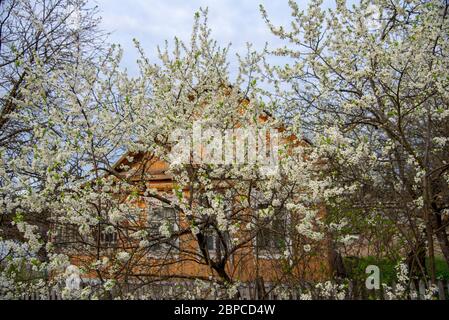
[{"x": 18, "y": 217}]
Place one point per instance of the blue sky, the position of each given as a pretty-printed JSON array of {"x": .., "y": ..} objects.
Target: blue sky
[{"x": 153, "y": 21}]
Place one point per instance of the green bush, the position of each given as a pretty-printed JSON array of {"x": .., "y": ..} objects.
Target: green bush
[{"x": 356, "y": 267}]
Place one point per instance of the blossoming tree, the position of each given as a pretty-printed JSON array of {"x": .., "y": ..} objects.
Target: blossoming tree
[
  {"x": 369, "y": 82},
  {"x": 110, "y": 219}
]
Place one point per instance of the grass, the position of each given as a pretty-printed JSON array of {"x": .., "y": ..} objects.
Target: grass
[
  {"x": 441, "y": 267},
  {"x": 356, "y": 268}
]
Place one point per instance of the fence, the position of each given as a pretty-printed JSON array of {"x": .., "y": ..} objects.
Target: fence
[
  {"x": 51, "y": 295},
  {"x": 354, "y": 291},
  {"x": 255, "y": 291}
]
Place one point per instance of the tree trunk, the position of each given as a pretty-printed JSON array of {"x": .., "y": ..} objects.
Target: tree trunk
[
  {"x": 416, "y": 261},
  {"x": 335, "y": 260},
  {"x": 442, "y": 237},
  {"x": 260, "y": 289}
]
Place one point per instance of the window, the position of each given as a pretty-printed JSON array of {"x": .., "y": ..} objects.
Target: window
[
  {"x": 214, "y": 243},
  {"x": 108, "y": 238},
  {"x": 159, "y": 218},
  {"x": 66, "y": 233},
  {"x": 272, "y": 235}
]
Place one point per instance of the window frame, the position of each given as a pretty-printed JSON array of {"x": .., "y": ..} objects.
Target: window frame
[
  {"x": 272, "y": 252},
  {"x": 66, "y": 234},
  {"x": 106, "y": 244},
  {"x": 216, "y": 240},
  {"x": 166, "y": 249},
  {"x": 228, "y": 206}
]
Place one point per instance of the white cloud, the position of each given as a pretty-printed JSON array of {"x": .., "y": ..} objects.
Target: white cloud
[{"x": 153, "y": 21}]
